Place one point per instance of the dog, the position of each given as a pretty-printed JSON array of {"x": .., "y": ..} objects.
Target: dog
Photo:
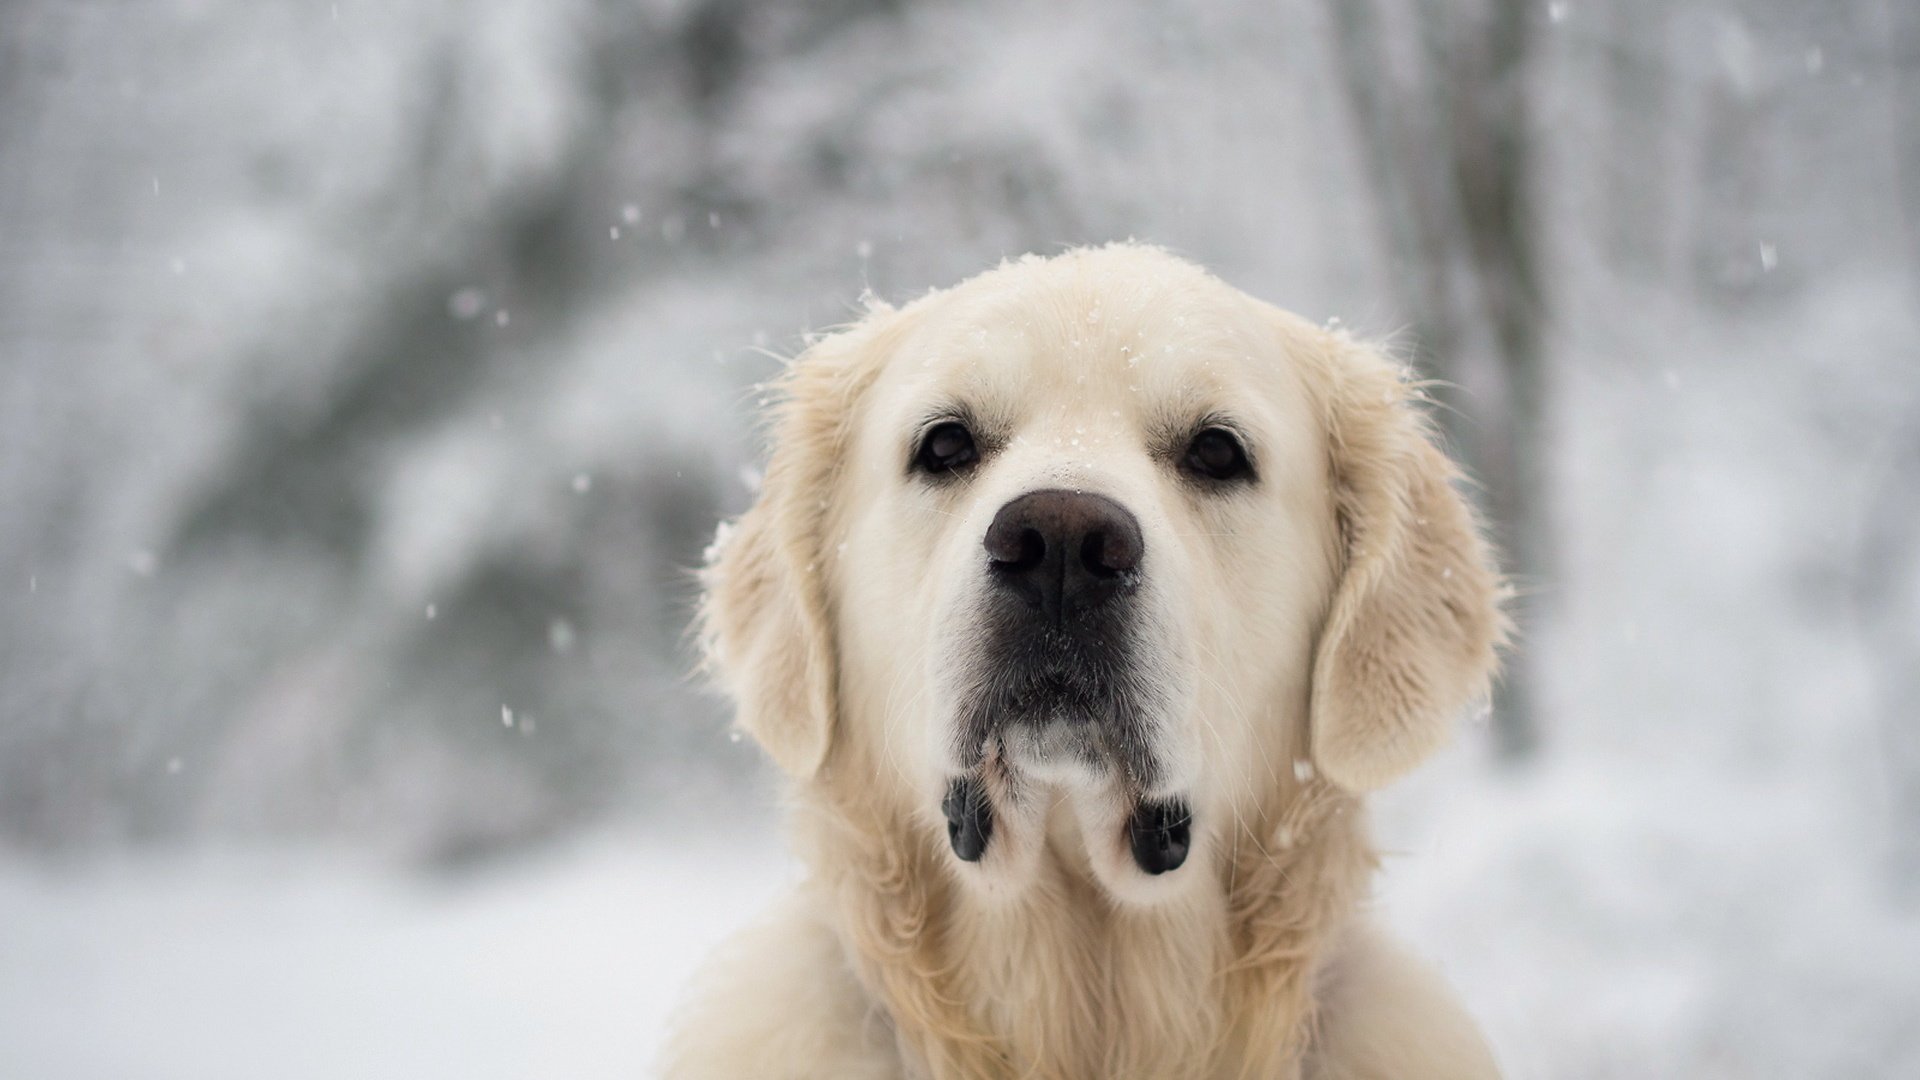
[{"x": 1082, "y": 604}]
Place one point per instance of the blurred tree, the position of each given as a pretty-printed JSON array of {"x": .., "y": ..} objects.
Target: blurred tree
[
  {"x": 1886, "y": 597},
  {"x": 492, "y": 282},
  {"x": 1887, "y": 589},
  {"x": 1442, "y": 123},
  {"x": 1639, "y": 188},
  {"x": 1905, "y": 37},
  {"x": 1740, "y": 110}
]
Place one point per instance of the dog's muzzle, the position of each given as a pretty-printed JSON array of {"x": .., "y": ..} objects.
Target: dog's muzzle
[{"x": 1056, "y": 682}]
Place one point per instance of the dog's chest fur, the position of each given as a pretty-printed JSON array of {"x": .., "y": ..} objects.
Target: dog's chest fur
[
  {"x": 1063, "y": 983},
  {"x": 1070, "y": 982}
]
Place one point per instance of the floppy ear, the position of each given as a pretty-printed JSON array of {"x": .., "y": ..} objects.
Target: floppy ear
[
  {"x": 765, "y": 618},
  {"x": 1415, "y": 621}
]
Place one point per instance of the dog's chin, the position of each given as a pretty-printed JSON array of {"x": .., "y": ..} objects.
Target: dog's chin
[
  {"x": 1057, "y": 787},
  {"x": 1059, "y": 753}
]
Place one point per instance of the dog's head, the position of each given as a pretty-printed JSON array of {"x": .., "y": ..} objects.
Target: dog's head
[{"x": 1098, "y": 551}]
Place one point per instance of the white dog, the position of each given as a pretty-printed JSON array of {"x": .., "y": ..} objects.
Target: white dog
[{"x": 1082, "y": 605}]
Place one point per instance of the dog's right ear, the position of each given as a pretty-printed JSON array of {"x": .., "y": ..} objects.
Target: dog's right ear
[{"x": 765, "y": 622}]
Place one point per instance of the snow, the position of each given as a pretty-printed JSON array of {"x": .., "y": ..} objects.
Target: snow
[
  {"x": 331, "y": 421},
  {"x": 241, "y": 964},
  {"x": 1601, "y": 919},
  {"x": 467, "y": 303},
  {"x": 1621, "y": 917}
]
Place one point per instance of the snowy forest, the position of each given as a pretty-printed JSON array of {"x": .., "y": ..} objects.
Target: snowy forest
[{"x": 372, "y": 377}]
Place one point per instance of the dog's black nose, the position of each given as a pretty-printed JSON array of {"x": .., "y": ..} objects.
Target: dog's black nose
[{"x": 1064, "y": 552}]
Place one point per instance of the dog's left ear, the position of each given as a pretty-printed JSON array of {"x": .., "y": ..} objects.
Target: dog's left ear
[
  {"x": 765, "y": 619},
  {"x": 1415, "y": 622}
]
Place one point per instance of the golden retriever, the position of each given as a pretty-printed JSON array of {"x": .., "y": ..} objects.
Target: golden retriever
[{"x": 1082, "y": 605}]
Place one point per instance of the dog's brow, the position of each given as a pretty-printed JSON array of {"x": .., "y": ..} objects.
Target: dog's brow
[
  {"x": 1232, "y": 424},
  {"x": 1173, "y": 432},
  {"x": 943, "y": 412}
]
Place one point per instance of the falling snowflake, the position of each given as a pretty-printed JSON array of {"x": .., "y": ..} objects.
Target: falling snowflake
[{"x": 467, "y": 303}]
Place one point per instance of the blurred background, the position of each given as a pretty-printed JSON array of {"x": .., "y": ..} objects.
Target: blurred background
[{"x": 372, "y": 376}]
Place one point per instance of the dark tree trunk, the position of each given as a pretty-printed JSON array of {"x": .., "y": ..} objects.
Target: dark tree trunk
[
  {"x": 1447, "y": 147},
  {"x": 1890, "y": 556},
  {"x": 1493, "y": 162},
  {"x": 1638, "y": 192}
]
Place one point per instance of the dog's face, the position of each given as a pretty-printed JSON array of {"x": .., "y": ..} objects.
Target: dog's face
[
  {"x": 1051, "y": 554},
  {"x": 1088, "y": 537}
]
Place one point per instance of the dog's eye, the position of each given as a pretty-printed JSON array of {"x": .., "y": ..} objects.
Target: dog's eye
[
  {"x": 1217, "y": 455},
  {"x": 946, "y": 447}
]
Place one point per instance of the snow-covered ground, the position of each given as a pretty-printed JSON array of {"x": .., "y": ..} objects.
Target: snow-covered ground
[
  {"x": 1620, "y": 918},
  {"x": 320, "y": 966},
  {"x": 1601, "y": 921}
]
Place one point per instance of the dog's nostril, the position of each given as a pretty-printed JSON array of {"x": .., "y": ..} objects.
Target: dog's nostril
[
  {"x": 1093, "y": 556},
  {"x": 1016, "y": 549},
  {"x": 1033, "y": 549},
  {"x": 1107, "y": 555}
]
